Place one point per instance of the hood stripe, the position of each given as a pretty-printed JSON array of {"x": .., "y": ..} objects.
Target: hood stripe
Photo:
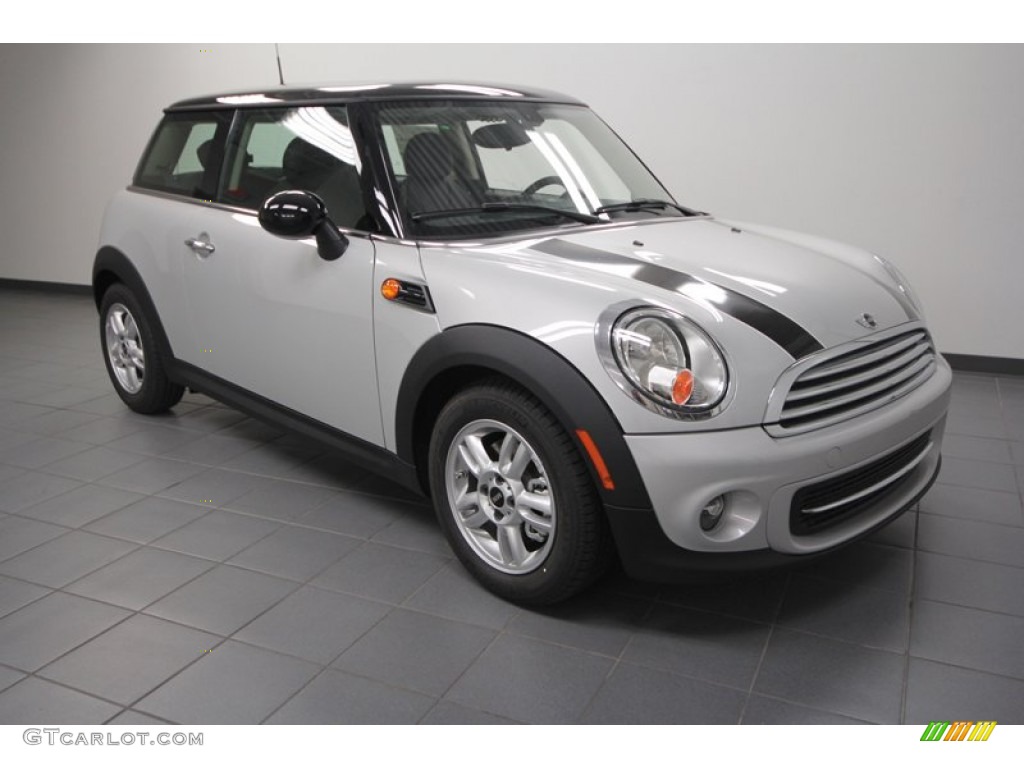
[{"x": 792, "y": 337}]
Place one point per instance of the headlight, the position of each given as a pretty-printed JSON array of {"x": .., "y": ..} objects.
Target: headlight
[
  {"x": 669, "y": 360},
  {"x": 902, "y": 284}
]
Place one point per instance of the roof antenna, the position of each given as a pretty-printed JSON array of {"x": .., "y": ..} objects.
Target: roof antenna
[{"x": 280, "y": 72}]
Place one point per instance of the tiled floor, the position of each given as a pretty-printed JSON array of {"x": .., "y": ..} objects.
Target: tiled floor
[{"x": 202, "y": 568}]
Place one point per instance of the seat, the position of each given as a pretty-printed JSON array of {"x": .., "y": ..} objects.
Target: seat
[{"x": 431, "y": 183}]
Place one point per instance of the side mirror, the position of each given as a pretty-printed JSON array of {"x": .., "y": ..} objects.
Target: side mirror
[{"x": 297, "y": 214}]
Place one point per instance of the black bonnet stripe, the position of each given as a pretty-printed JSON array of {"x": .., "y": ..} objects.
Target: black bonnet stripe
[{"x": 791, "y": 337}]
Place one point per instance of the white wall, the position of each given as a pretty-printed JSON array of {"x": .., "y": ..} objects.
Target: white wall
[{"x": 914, "y": 152}]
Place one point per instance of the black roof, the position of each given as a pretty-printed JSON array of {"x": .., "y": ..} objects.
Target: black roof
[{"x": 341, "y": 93}]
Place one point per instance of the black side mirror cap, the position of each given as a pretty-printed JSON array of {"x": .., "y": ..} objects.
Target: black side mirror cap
[{"x": 297, "y": 214}]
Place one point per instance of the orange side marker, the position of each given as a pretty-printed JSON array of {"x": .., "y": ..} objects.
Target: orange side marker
[{"x": 596, "y": 458}]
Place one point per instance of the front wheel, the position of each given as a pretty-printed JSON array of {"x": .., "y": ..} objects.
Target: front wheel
[{"x": 514, "y": 498}]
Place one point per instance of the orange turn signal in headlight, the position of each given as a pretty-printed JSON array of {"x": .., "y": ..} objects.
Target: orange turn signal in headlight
[
  {"x": 682, "y": 386},
  {"x": 390, "y": 289}
]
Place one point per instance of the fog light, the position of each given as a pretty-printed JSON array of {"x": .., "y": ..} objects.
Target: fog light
[{"x": 711, "y": 515}]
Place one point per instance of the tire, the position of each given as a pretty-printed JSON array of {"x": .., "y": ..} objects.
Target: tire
[
  {"x": 131, "y": 354},
  {"x": 525, "y": 521}
]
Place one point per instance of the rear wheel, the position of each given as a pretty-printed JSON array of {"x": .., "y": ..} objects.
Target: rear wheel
[
  {"x": 130, "y": 354},
  {"x": 514, "y": 498}
]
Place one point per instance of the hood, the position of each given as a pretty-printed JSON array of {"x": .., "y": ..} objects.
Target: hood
[{"x": 804, "y": 293}]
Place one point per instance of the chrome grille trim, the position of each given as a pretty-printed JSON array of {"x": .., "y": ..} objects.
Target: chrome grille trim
[{"x": 844, "y": 382}]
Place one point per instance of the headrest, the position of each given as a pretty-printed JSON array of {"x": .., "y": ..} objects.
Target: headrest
[{"x": 428, "y": 156}]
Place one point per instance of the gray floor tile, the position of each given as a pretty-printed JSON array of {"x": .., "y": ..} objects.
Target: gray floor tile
[
  {"x": 453, "y": 595},
  {"x": 986, "y": 475},
  {"x": 217, "y": 536},
  {"x": 313, "y": 624},
  {"x": 234, "y": 684},
  {"x": 450, "y": 713},
  {"x": 153, "y": 440},
  {"x": 14, "y": 594},
  {"x": 354, "y": 514},
  {"x": 208, "y": 419},
  {"x": 972, "y": 539},
  {"x": 966, "y": 424},
  {"x": 335, "y": 697},
  {"x": 92, "y": 464},
  {"x": 941, "y": 692},
  {"x": 901, "y": 532},
  {"x": 871, "y": 565},
  {"x": 416, "y": 651},
  {"x": 215, "y": 487},
  {"x": 9, "y": 677},
  {"x": 39, "y": 633},
  {"x": 100, "y": 429},
  {"x": 763, "y": 710},
  {"x": 30, "y": 488},
  {"x": 851, "y": 612},
  {"x": 210, "y": 449},
  {"x": 596, "y": 621},
  {"x": 326, "y": 469},
  {"x": 531, "y": 681},
  {"x": 147, "y": 520},
  {"x": 8, "y": 472},
  {"x": 1017, "y": 452},
  {"x": 268, "y": 460},
  {"x": 41, "y": 451},
  {"x": 861, "y": 683},
  {"x": 381, "y": 572},
  {"x": 974, "y": 504},
  {"x": 641, "y": 696},
  {"x": 54, "y": 423},
  {"x": 280, "y": 499},
  {"x": 131, "y": 659},
  {"x": 12, "y": 412},
  {"x": 976, "y": 448},
  {"x": 152, "y": 475},
  {"x": 140, "y": 578},
  {"x": 970, "y": 583},
  {"x": 222, "y": 600},
  {"x": 417, "y": 528},
  {"x": 81, "y": 506},
  {"x": 967, "y": 637},
  {"x": 130, "y": 717},
  {"x": 18, "y": 535},
  {"x": 755, "y": 597},
  {"x": 254, "y": 431},
  {"x": 62, "y": 560},
  {"x": 711, "y": 647},
  {"x": 34, "y": 701},
  {"x": 295, "y": 553}
]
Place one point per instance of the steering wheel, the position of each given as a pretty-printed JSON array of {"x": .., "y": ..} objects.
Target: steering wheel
[{"x": 542, "y": 182}]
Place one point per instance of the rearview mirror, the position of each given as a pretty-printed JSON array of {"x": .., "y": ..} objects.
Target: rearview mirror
[{"x": 296, "y": 214}]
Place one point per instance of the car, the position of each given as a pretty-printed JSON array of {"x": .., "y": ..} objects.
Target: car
[{"x": 482, "y": 294}]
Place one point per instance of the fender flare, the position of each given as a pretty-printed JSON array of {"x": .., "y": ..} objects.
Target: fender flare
[
  {"x": 546, "y": 374},
  {"x": 110, "y": 266}
]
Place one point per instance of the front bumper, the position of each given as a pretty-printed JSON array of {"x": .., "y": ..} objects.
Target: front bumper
[{"x": 761, "y": 477}]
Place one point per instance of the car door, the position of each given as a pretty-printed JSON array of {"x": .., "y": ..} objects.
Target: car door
[{"x": 268, "y": 315}]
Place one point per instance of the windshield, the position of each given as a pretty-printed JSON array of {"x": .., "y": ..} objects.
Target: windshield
[{"x": 470, "y": 169}]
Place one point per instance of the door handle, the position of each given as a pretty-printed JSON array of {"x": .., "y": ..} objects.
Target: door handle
[{"x": 200, "y": 247}]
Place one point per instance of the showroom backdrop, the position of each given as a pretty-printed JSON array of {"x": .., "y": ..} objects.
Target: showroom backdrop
[{"x": 914, "y": 152}]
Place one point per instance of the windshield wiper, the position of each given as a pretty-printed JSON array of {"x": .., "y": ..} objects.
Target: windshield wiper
[
  {"x": 645, "y": 203},
  {"x": 586, "y": 218}
]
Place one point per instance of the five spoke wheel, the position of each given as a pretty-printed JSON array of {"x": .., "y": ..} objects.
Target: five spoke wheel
[{"x": 500, "y": 494}]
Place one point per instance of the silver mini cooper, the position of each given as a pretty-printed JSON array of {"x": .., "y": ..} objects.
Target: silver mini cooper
[{"x": 482, "y": 293}]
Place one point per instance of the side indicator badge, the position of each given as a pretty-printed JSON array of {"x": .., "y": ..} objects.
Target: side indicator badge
[{"x": 404, "y": 292}]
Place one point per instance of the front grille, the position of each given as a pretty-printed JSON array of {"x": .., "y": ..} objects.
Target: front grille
[
  {"x": 846, "y": 385},
  {"x": 819, "y": 506}
]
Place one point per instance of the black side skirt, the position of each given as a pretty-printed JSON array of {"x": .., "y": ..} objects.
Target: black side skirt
[{"x": 367, "y": 455}]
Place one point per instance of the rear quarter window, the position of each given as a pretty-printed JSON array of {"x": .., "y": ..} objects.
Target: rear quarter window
[{"x": 185, "y": 154}]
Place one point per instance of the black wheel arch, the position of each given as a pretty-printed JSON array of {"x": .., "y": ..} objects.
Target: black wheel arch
[
  {"x": 112, "y": 266},
  {"x": 462, "y": 354}
]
